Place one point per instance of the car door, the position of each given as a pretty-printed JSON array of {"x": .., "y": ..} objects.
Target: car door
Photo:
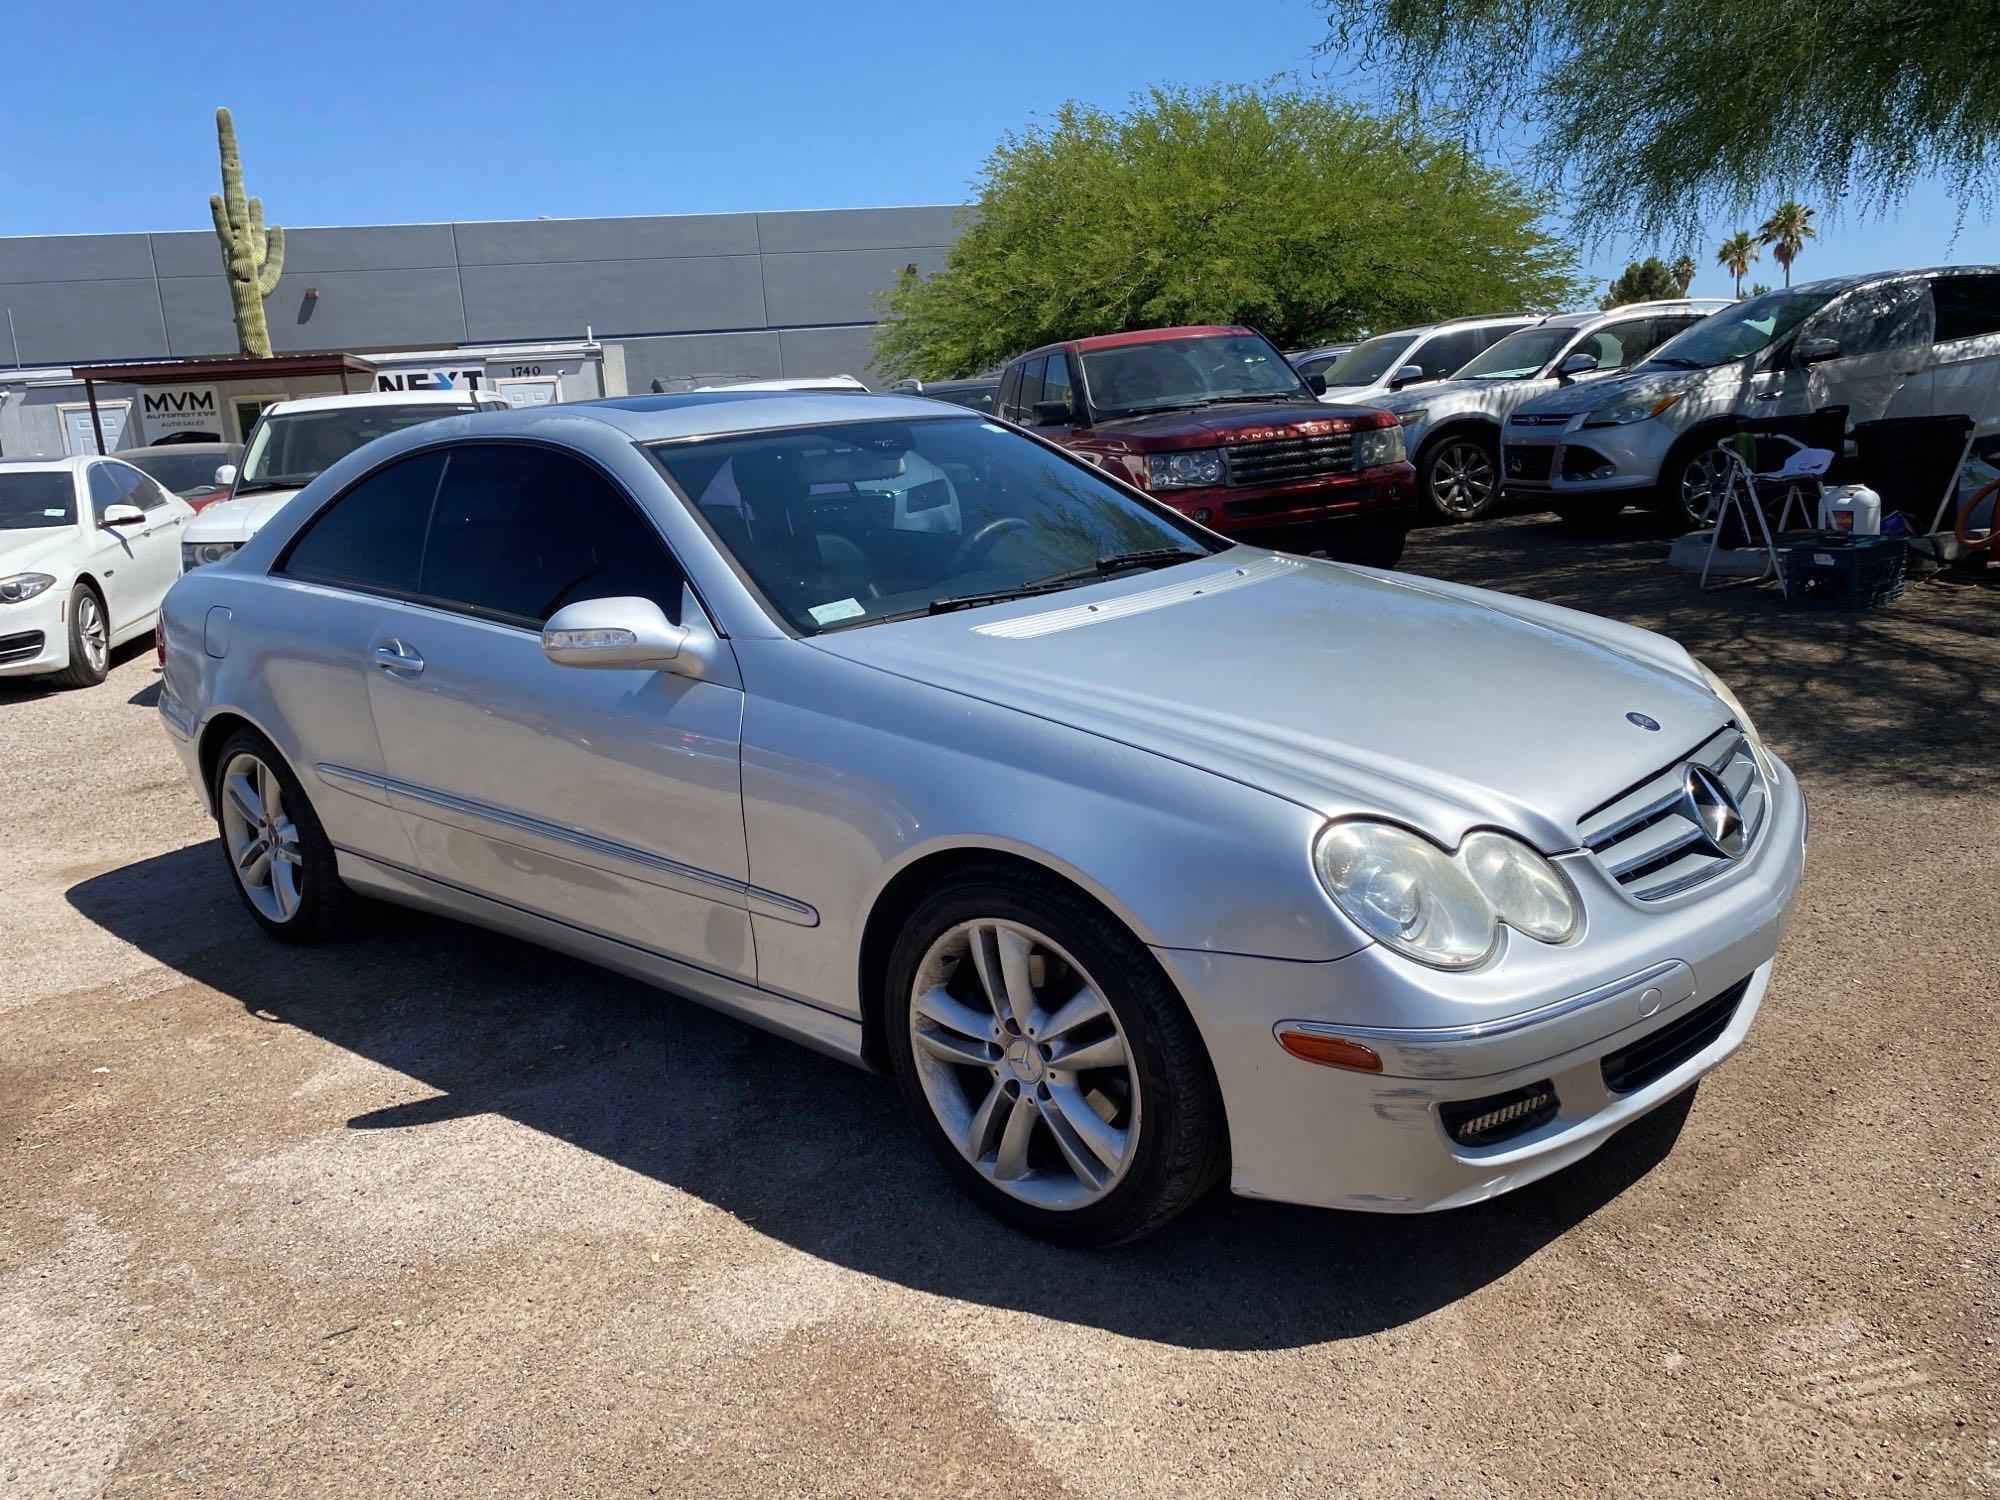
[
  {"x": 155, "y": 546},
  {"x": 113, "y": 557},
  {"x": 1965, "y": 361},
  {"x": 1885, "y": 332},
  {"x": 607, "y": 800}
]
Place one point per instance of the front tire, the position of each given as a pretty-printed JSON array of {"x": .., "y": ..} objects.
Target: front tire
[
  {"x": 89, "y": 640},
  {"x": 1049, "y": 1063},
  {"x": 280, "y": 859},
  {"x": 1458, "y": 476},
  {"x": 1690, "y": 482}
]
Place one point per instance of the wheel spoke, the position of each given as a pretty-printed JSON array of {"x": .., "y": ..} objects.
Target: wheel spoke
[
  {"x": 1106, "y": 1053},
  {"x": 1001, "y": 956},
  {"x": 243, "y": 797},
  {"x": 950, "y": 1048},
  {"x": 254, "y": 863},
  {"x": 1106, "y": 1142},
  {"x": 1084, "y": 1005},
  {"x": 1079, "y": 1156},
  {"x": 937, "y": 1004},
  {"x": 284, "y": 890},
  {"x": 1011, "y": 1162},
  {"x": 979, "y": 1129}
]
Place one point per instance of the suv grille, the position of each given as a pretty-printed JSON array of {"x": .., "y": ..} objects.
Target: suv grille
[
  {"x": 1276, "y": 460},
  {"x": 1654, "y": 1056},
  {"x": 1539, "y": 419},
  {"x": 1650, "y": 838}
]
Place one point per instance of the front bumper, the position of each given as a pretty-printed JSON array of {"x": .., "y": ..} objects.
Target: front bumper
[
  {"x": 1378, "y": 497},
  {"x": 34, "y": 635},
  {"x": 1574, "y": 460},
  {"x": 1305, "y": 1133}
]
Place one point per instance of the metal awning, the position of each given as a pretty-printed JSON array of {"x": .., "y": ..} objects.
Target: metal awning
[{"x": 214, "y": 367}]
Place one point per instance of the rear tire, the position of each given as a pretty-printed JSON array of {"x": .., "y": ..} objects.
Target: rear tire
[
  {"x": 1000, "y": 976},
  {"x": 280, "y": 860},
  {"x": 1458, "y": 477},
  {"x": 89, "y": 640}
]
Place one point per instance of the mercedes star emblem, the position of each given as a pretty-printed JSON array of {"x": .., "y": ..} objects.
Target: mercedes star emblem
[
  {"x": 1644, "y": 721},
  {"x": 1706, "y": 802}
]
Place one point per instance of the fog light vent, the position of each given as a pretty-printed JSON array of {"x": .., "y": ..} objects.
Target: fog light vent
[{"x": 1498, "y": 1117}]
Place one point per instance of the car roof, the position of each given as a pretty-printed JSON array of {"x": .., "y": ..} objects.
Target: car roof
[
  {"x": 197, "y": 448},
  {"x": 1586, "y": 315},
  {"x": 684, "y": 414},
  {"x": 372, "y": 398},
  {"x": 1142, "y": 336},
  {"x": 48, "y": 461}
]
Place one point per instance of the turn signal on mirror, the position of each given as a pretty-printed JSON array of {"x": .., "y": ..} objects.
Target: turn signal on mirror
[{"x": 1330, "y": 1051}]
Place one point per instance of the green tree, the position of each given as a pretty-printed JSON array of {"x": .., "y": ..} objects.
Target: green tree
[
  {"x": 252, "y": 256},
  {"x": 1786, "y": 232},
  {"x": 1683, "y": 268},
  {"x": 1735, "y": 254},
  {"x": 1650, "y": 112},
  {"x": 1648, "y": 280},
  {"x": 1296, "y": 213},
  {"x": 1758, "y": 288}
]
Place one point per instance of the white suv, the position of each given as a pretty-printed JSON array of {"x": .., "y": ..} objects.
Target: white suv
[
  {"x": 293, "y": 442},
  {"x": 1452, "y": 428},
  {"x": 1411, "y": 356}
]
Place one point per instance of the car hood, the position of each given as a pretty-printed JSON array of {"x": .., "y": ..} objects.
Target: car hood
[
  {"x": 1588, "y": 395},
  {"x": 21, "y": 550},
  {"x": 1454, "y": 393},
  {"x": 236, "y": 520},
  {"x": 1342, "y": 689},
  {"x": 1368, "y": 395},
  {"x": 1215, "y": 424}
]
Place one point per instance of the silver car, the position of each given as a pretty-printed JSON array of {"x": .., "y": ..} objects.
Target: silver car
[{"x": 1138, "y": 859}]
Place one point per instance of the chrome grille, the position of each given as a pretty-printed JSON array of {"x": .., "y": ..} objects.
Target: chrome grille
[
  {"x": 1276, "y": 460},
  {"x": 1649, "y": 841},
  {"x": 1539, "y": 419}
]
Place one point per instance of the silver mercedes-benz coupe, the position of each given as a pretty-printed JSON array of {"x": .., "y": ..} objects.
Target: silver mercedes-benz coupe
[{"x": 1138, "y": 859}]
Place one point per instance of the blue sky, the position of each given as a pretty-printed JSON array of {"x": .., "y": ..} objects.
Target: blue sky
[{"x": 368, "y": 113}]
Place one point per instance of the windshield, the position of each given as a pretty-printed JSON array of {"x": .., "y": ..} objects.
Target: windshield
[
  {"x": 40, "y": 497},
  {"x": 292, "y": 449},
  {"x": 182, "y": 472},
  {"x": 1367, "y": 363},
  {"x": 1737, "y": 332},
  {"x": 1163, "y": 374},
  {"x": 1518, "y": 356},
  {"x": 854, "y": 523}
]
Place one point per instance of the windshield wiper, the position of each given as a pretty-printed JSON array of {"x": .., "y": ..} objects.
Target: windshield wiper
[
  {"x": 1150, "y": 411},
  {"x": 951, "y": 602},
  {"x": 1263, "y": 396},
  {"x": 256, "y": 486},
  {"x": 1120, "y": 562},
  {"x": 1676, "y": 362}
]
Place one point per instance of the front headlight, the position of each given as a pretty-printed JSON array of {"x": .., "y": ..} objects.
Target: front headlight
[
  {"x": 1632, "y": 409},
  {"x": 1445, "y": 910},
  {"x": 200, "y": 554},
  {"x": 1742, "y": 716},
  {"x": 22, "y": 586},
  {"x": 1375, "y": 446},
  {"x": 1192, "y": 468}
]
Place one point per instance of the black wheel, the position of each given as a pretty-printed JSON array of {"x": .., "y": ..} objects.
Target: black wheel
[
  {"x": 280, "y": 860},
  {"x": 89, "y": 640},
  {"x": 1051, "y": 1066},
  {"x": 1458, "y": 476},
  {"x": 1690, "y": 482}
]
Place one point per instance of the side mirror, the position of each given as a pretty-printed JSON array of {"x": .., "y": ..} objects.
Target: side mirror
[
  {"x": 1316, "y": 383},
  {"x": 1054, "y": 414},
  {"x": 629, "y": 633},
  {"x": 1407, "y": 375},
  {"x": 225, "y": 476},
  {"x": 122, "y": 515},
  {"x": 1816, "y": 351},
  {"x": 1575, "y": 365}
]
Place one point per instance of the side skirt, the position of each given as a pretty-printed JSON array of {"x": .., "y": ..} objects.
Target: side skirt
[{"x": 821, "y": 1030}]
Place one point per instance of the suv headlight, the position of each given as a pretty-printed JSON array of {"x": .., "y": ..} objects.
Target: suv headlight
[
  {"x": 1632, "y": 409},
  {"x": 1445, "y": 910},
  {"x": 1192, "y": 468},
  {"x": 1742, "y": 716},
  {"x": 200, "y": 554},
  {"x": 20, "y": 586},
  {"x": 1375, "y": 446}
]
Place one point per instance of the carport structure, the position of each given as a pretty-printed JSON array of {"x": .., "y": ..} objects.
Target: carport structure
[{"x": 265, "y": 379}]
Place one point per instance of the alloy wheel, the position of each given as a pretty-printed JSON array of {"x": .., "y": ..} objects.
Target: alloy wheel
[
  {"x": 263, "y": 841},
  {"x": 91, "y": 631},
  {"x": 1462, "y": 480},
  {"x": 1700, "y": 486},
  {"x": 1024, "y": 1064}
]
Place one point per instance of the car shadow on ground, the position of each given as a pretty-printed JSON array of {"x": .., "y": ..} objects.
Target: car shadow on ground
[
  {"x": 27, "y": 689},
  {"x": 805, "y": 1149}
]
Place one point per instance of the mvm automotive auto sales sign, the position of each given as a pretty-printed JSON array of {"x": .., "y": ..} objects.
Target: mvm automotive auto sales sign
[{"x": 179, "y": 408}]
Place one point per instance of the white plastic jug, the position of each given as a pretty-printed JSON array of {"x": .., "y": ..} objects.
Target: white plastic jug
[{"x": 1850, "y": 507}]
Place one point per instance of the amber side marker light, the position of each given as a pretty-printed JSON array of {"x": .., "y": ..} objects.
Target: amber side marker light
[{"x": 1330, "y": 1051}]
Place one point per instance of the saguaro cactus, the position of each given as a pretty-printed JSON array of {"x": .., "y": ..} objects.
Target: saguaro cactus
[{"x": 252, "y": 256}]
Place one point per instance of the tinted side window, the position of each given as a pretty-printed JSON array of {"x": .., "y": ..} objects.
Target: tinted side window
[
  {"x": 1056, "y": 384},
  {"x": 1617, "y": 345},
  {"x": 1010, "y": 390},
  {"x": 1031, "y": 387},
  {"x": 372, "y": 537},
  {"x": 1968, "y": 307},
  {"x": 1877, "y": 319},
  {"x": 103, "y": 491},
  {"x": 519, "y": 531},
  {"x": 1441, "y": 355},
  {"x": 135, "y": 488}
]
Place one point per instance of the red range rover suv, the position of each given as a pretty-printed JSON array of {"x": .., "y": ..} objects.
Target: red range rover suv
[{"x": 1216, "y": 423}]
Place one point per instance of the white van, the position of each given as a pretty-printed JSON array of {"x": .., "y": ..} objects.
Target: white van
[{"x": 1890, "y": 344}]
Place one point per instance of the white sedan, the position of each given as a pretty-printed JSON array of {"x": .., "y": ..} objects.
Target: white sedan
[{"x": 88, "y": 548}]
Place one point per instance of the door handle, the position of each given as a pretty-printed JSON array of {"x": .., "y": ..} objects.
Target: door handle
[{"x": 398, "y": 656}]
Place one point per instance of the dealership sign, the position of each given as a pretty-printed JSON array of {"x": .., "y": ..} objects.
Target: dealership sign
[
  {"x": 168, "y": 409},
  {"x": 445, "y": 378}
]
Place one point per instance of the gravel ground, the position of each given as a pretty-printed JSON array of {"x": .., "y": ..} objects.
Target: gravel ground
[{"x": 433, "y": 1212}]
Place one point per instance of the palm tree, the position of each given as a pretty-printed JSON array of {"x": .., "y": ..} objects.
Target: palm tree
[
  {"x": 1735, "y": 254},
  {"x": 1786, "y": 232},
  {"x": 1684, "y": 269}
]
